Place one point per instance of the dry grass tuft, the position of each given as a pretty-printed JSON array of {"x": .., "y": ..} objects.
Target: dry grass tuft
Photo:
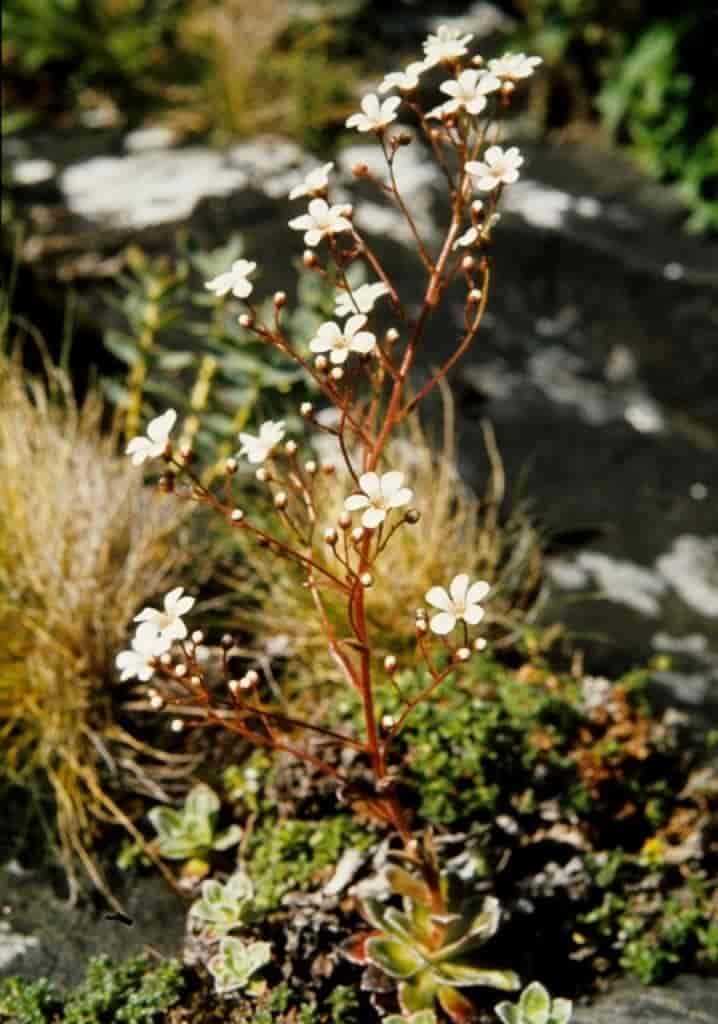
[
  {"x": 458, "y": 532},
  {"x": 82, "y": 544}
]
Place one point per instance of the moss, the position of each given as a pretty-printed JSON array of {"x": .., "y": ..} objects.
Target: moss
[{"x": 27, "y": 1002}]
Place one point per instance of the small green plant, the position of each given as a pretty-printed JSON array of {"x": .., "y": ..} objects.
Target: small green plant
[
  {"x": 222, "y": 908},
  {"x": 29, "y": 1002},
  {"x": 420, "y": 1017},
  {"x": 235, "y": 963},
  {"x": 189, "y": 833},
  {"x": 429, "y": 947},
  {"x": 535, "y": 1006}
]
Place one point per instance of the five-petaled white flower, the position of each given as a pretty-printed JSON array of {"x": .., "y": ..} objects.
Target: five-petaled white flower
[
  {"x": 499, "y": 166},
  {"x": 460, "y": 602},
  {"x": 257, "y": 449},
  {"x": 235, "y": 280},
  {"x": 138, "y": 661},
  {"x": 321, "y": 221},
  {"x": 375, "y": 115},
  {"x": 314, "y": 183},
  {"x": 469, "y": 237},
  {"x": 513, "y": 66},
  {"x": 447, "y": 44},
  {"x": 404, "y": 81},
  {"x": 155, "y": 442},
  {"x": 469, "y": 91},
  {"x": 379, "y": 495},
  {"x": 360, "y": 300},
  {"x": 168, "y": 622},
  {"x": 339, "y": 342}
]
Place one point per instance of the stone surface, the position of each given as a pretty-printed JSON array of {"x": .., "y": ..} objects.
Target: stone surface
[{"x": 687, "y": 1000}]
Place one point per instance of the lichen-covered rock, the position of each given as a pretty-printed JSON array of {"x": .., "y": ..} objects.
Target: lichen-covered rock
[{"x": 687, "y": 1000}]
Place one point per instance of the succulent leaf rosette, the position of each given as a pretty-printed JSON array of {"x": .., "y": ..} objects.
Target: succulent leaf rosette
[
  {"x": 535, "y": 1006},
  {"x": 431, "y": 955},
  {"x": 190, "y": 832}
]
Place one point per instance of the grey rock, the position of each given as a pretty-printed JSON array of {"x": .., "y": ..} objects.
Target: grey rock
[{"x": 687, "y": 1000}]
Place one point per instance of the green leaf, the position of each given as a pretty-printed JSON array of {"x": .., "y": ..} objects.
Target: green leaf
[
  {"x": 561, "y": 1011},
  {"x": 202, "y": 802},
  {"x": 535, "y": 1004},
  {"x": 417, "y": 994},
  {"x": 121, "y": 347},
  {"x": 175, "y": 361},
  {"x": 230, "y": 837},
  {"x": 456, "y": 1006},
  {"x": 467, "y": 975},
  {"x": 236, "y": 962},
  {"x": 395, "y": 958},
  {"x": 508, "y": 1013}
]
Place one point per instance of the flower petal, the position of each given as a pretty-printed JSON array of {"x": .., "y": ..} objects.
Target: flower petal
[
  {"x": 477, "y": 591},
  {"x": 473, "y": 614},
  {"x": 355, "y": 501},
  {"x": 439, "y": 598},
  {"x": 458, "y": 588},
  {"x": 443, "y": 623},
  {"x": 369, "y": 483},
  {"x": 373, "y": 517}
]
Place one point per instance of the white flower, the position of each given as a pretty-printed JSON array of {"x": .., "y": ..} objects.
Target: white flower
[
  {"x": 499, "y": 166},
  {"x": 168, "y": 622},
  {"x": 379, "y": 495},
  {"x": 376, "y": 115},
  {"x": 469, "y": 91},
  {"x": 137, "y": 662},
  {"x": 235, "y": 280},
  {"x": 314, "y": 183},
  {"x": 513, "y": 66},
  {"x": 447, "y": 44},
  {"x": 340, "y": 342},
  {"x": 468, "y": 238},
  {"x": 404, "y": 81},
  {"x": 321, "y": 220},
  {"x": 257, "y": 449},
  {"x": 154, "y": 444},
  {"x": 461, "y": 602},
  {"x": 361, "y": 299}
]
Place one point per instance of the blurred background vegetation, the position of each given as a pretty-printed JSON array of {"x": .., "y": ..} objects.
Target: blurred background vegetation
[{"x": 641, "y": 73}]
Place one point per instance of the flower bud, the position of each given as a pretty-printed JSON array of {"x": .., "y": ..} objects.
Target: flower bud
[
  {"x": 231, "y": 466},
  {"x": 336, "y": 373},
  {"x": 262, "y": 475},
  {"x": 328, "y": 468},
  {"x": 412, "y": 516},
  {"x": 345, "y": 520},
  {"x": 166, "y": 483},
  {"x": 309, "y": 259},
  {"x": 467, "y": 264},
  {"x": 311, "y": 467},
  {"x": 477, "y": 61},
  {"x": 330, "y": 536},
  {"x": 234, "y": 687},
  {"x": 195, "y": 681},
  {"x": 358, "y": 534},
  {"x": 463, "y": 654},
  {"x": 226, "y": 640},
  {"x": 321, "y": 363},
  {"x": 477, "y": 207},
  {"x": 280, "y": 499},
  {"x": 198, "y": 637},
  {"x": 420, "y": 613},
  {"x": 306, "y": 409},
  {"x": 421, "y": 627},
  {"x": 252, "y": 676},
  {"x": 177, "y": 725},
  {"x": 156, "y": 701},
  {"x": 245, "y": 320},
  {"x": 366, "y": 579},
  {"x": 181, "y": 671},
  {"x": 392, "y": 335},
  {"x": 290, "y": 447},
  {"x": 280, "y": 299},
  {"x": 237, "y": 515},
  {"x": 508, "y": 88},
  {"x": 474, "y": 296},
  {"x": 390, "y": 663},
  {"x": 387, "y": 722},
  {"x": 186, "y": 453},
  {"x": 166, "y": 658},
  {"x": 480, "y": 643}
]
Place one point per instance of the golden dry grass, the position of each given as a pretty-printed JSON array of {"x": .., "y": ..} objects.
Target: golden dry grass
[
  {"x": 82, "y": 544},
  {"x": 458, "y": 532}
]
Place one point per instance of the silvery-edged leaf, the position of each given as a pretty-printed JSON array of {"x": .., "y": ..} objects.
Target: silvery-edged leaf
[
  {"x": 230, "y": 837},
  {"x": 561, "y": 1011},
  {"x": 418, "y": 993},
  {"x": 456, "y": 1006},
  {"x": 395, "y": 958},
  {"x": 239, "y": 886},
  {"x": 202, "y": 802},
  {"x": 508, "y": 1013},
  {"x": 468, "y": 976},
  {"x": 471, "y": 930},
  {"x": 420, "y": 1017},
  {"x": 236, "y": 962},
  {"x": 535, "y": 1004}
]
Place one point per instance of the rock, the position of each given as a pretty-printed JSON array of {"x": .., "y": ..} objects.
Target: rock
[{"x": 687, "y": 1000}]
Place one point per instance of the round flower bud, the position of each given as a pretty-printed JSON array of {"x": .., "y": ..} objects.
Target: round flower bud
[
  {"x": 237, "y": 515},
  {"x": 198, "y": 637},
  {"x": 474, "y": 296},
  {"x": 234, "y": 687},
  {"x": 390, "y": 663},
  {"x": 477, "y": 207},
  {"x": 245, "y": 320},
  {"x": 412, "y": 516},
  {"x": 468, "y": 263},
  {"x": 177, "y": 725},
  {"x": 330, "y": 536},
  {"x": 156, "y": 702},
  {"x": 480, "y": 643},
  {"x": 226, "y": 640},
  {"x": 337, "y": 373},
  {"x": 306, "y": 409},
  {"x": 166, "y": 658},
  {"x": 252, "y": 676},
  {"x": 231, "y": 466},
  {"x": 507, "y": 88},
  {"x": 309, "y": 258},
  {"x": 463, "y": 654},
  {"x": 311, "y": 467},
  {"x": 195, "y": 681},
  {"x": 358, "y": 534},
  {"x": 321, "y": 363},
  {"x": 290, "y": 447},
  {"x": 392, "y": 335},
  {"x": 420, "y": 613},
  {"x": 477, "y": 61},
  {"x": 345, "y": 520},
  {"x": 280, "y": 299},
  {"x": 186, "y": 453},
  {"x": 261, "y": 475},
  {"x": 181, "y": 671},
  {"x": 280, "y": 499},
  {"x": 421, "y": 626},
  {"x": 366, "y": 579},
  {"x": 387, "y": 722}
]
